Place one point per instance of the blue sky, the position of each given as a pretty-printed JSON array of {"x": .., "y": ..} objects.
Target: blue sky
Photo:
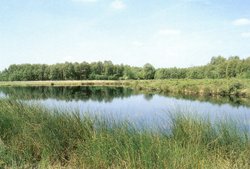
[{"x": 165, "y": 33}]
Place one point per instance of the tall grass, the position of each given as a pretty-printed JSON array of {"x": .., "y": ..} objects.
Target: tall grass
[{"x": 31, "y": 136}]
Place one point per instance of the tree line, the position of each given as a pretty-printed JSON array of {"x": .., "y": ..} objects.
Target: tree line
[{"x": 219, "y": 67}]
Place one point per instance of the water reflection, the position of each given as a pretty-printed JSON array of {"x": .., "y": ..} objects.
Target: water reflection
[
  {"x": 100, "y": 94},
  {"x": 219, "y": 100},
  {"x": 119, "y": 104},
  {"x": 2, "y": 95},
  {"x": 106, "y": 94}
]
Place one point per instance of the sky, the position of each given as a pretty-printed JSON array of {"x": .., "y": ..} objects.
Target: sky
[{"x": 165, "y": 33}]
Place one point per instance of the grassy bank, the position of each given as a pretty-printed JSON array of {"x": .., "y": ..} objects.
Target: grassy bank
[
  {"x": 31, "y": 136},
  {"x": 202, "y": 87}
]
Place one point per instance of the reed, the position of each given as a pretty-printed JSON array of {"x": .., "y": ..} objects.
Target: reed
[{"x": 32, "y": 136}]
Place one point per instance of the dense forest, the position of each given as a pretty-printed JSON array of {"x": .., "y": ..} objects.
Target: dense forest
[{"x": 218, "y": 68}]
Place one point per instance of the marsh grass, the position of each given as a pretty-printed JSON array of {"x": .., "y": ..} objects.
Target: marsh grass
[{"x": 32, "y": 136}]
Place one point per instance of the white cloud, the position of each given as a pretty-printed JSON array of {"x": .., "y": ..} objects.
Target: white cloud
[
  {"x": 137, "y": 43},
  {"x": 245, "y": 34},
  {"x": 169, "y": 32},
  {"x": 241, "y": 22},
  {"x": 118, "y": 5}
]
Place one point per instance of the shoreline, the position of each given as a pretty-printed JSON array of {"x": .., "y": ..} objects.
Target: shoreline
[{"x": 200, "y": 87}]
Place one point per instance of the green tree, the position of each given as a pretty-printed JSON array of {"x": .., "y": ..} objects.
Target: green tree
[{"x": 148, "y": 71}]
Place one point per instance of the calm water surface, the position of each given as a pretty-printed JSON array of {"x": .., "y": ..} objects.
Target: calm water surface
[{"x": 119, "y": 104}]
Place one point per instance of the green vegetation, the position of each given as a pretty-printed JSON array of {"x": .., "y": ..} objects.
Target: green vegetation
[
  {"x": 197, "y": 87},
  {"x": 34, "y": 137},
  {"x": 31, "y": 136},
  {"x": 220, "y": 77},
  {"x": 218, "y": 68}
]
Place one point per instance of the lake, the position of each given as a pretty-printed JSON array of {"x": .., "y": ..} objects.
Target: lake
[{"x": 123, "y": 104}]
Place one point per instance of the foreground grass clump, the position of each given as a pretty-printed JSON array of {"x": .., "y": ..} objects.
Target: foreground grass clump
[{"x": 32, "y": 136}]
